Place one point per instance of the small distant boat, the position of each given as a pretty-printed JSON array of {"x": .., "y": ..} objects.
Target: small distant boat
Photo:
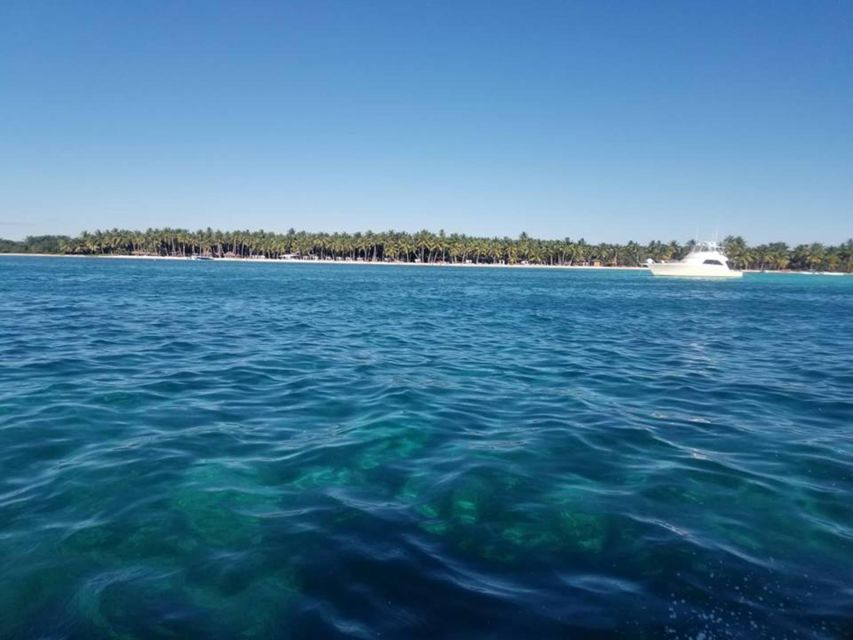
[
  {"x": 194, "y": 257},
  {"x": 705, "y": 260}
]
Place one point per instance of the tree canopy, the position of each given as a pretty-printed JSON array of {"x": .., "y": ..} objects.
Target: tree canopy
[{"x": 423, "y": 246}]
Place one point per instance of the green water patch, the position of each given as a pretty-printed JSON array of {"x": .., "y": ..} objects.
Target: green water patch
[
  {"x": 758, "y": 522},
  {"x": 145, "y": 532},
  {"x": 436, "y": 528},
  {"x": 99, "y": 605},
  {"x": 145, "y": 601},
  {"x": 484, "y": 496},
  {"x": 417, "y": 493},
  {"x": 390, "y": 445},
  {"x": 256, "y": 608},
  {"x": 531, "y": 534},
  {"x": 428, "y": 510},
  {"x": 320, "y": 477},
  {"x": 733, "y": 535},
  {"x": 492, "y": 550},
  {"x": 454, "y": 508},
  {"x": 682, "y": 493},
  {"x": 581, "y": 530},
  {"x": 579, "y": 518},
  {"x": 467, "y": 502},
  {"x": 481, "y": 513},
  {"x": 92, "y": 538},
  {"x": 517, "y": 538},
  {"x": 35, "y": 591},
  {"x": 363, "y": 462},
  {"x": 223, "y": 506},
  {"x": 413, "y": 488}
]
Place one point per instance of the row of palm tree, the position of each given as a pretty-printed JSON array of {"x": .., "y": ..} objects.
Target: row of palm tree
[{"x": 428, "y": 247}]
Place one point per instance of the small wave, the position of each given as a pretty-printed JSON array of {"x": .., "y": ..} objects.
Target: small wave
[{"x": 255, "y": 450}]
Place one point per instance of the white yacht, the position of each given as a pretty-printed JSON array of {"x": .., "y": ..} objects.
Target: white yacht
[{"x": 705, "y": 260}]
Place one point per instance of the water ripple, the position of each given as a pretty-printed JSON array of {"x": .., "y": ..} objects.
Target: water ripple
[{"x": 250, "y": 450}]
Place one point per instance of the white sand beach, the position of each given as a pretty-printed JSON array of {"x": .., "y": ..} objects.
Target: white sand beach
[{"x": 329, "y": 262}]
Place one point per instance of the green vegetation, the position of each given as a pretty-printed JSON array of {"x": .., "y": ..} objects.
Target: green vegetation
[
  {"x": 423, "y": 246},
  {"x": 36, "y": 244}
]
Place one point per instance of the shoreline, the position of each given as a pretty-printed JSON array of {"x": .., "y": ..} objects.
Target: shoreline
[
  {"x": 330, "y": 262},
  {"x": 388, "y": 264}
]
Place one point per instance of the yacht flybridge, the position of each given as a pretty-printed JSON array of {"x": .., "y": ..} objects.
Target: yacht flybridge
[{"x": 705, "y": 260}]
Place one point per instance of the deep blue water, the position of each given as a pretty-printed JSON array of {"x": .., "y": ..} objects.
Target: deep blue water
[{"x": 228, "y": 450}]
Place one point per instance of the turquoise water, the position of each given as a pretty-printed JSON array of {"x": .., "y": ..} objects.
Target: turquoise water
[{"x": 228, "y": 450}]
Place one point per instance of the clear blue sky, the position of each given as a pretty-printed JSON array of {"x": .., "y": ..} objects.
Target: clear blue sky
[{"x": 607, "y": 120}]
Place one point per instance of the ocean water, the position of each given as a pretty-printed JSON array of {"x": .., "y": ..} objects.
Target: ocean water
[{"x": 230, "y": 450}]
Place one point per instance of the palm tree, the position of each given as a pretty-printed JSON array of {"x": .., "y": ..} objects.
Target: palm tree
[
  {"x": 425, "y": 246},
  {"x": 736, "y": 250}
]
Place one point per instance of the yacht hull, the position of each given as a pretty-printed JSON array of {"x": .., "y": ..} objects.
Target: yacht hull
[{"x": 681, "y": 270}]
